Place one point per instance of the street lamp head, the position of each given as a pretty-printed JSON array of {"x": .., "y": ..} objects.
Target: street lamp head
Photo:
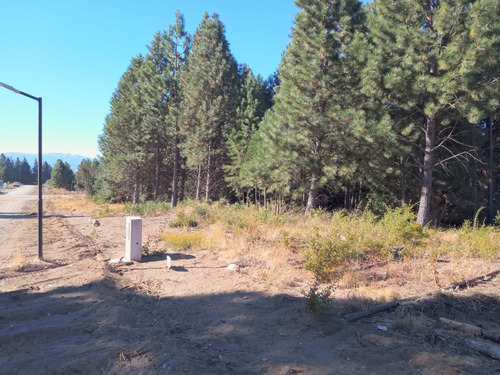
[{"x": 10, "y": 88}]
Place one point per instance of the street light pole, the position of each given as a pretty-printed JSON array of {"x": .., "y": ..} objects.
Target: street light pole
[{"x": 40, "y": 180}]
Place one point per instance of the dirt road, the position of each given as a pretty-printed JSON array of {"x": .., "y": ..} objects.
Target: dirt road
[{"x": 15, "y": 206}]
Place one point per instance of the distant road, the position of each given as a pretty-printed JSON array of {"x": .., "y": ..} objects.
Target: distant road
[{"x": 14, "y": 204}]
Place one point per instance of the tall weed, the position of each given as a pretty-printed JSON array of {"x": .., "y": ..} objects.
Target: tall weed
[
  {"x": 358, "y": 237},
  {"x": 146, "y": 208},
  {"x": 478, "y": 241}
]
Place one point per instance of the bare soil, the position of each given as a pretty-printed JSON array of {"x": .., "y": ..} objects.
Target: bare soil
[{"x": 74, "y": 313}]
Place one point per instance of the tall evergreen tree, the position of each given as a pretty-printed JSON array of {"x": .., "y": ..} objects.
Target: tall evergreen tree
[
  {"x": 3, "y": 167},
  {"x": 34, "y": 172},
  {"x": 252, "y": 105},
  {"x": 177, "y": 44},
  {"x": 46, "y": 171},
  {"x": 25, "y": 175},
  {"x": 141, "y": 133},
  {"x": 122, "y": 143},
  {"x": 311, "y": 93},
  {"x": 86, "y": 176},
  {"x": 17, "y": 170},
  {"x": 422, "y": 57},
  {"x": 62, "y": 176},
  {"x": 209, "y": 102}
]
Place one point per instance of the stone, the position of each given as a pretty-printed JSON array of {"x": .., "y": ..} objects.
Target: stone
[
  {"x": 96, "y": 223},
  {"x": 121, "y": 261},
  {"x": 233, "y": 267}
]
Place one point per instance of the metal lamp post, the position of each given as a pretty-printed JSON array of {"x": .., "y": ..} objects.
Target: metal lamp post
[{"x": 40, "y": 201}]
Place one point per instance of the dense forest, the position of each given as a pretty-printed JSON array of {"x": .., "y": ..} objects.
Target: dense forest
[{"x": 373, "y": 105}]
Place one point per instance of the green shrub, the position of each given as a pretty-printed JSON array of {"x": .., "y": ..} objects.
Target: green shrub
[
  {"x": 479, "y": 241},
  {"x": 325, "y": 256},
  {"x": 146, "y": 208},
  {"x": 317, "y": 301},
  {"x": 357, "y": 237},
  {"x": 183, "y": 221},
  {"x": 400, "y": 227}
]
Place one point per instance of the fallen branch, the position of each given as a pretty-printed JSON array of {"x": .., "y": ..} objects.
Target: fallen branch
[
  {"x": 471, "y": 282},
  {"x": 378, "y": 264},
  {"x": 472, "y": 329},
  {"x": 485, "y": 347},
  {"x": 464, "y": 327},
  {"x": 351, "y": 317}
]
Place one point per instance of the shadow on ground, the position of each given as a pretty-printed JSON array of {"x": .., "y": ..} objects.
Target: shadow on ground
[{"x": 98, "y": 328}]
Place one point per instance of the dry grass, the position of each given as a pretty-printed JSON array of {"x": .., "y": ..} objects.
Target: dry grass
[
  {"x": 18, "y": 260},
  {"x": 277, "y": 248},
  {"x": 75, "y": 202},
  {"x": 262, "y": 250}
]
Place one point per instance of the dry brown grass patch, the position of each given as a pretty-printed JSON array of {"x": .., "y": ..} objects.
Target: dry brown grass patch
[{"x": 80, "y": 203}]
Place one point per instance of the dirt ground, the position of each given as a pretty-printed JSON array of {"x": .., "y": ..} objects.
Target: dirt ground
[{"x": 76, "y": 314}]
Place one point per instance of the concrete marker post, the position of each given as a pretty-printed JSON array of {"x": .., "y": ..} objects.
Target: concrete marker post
[{"x": 133, "y": 244}]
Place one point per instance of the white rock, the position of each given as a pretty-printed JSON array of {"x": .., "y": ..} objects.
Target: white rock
[
  {"x": 127, "y": 262},
  {"x": 233, "y": 267},
  {"x": 169, "y": 262}
]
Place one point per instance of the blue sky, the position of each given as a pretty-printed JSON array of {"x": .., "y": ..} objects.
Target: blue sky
[{"x": 72, "y": 54}]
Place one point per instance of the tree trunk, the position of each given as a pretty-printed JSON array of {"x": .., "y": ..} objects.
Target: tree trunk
[
  {"x": 492, "y": 168},
  {"x": 207, "y": 185},
  {"x": 135, "y": 199},
  {"x": 198, "y": 184},
  {"x": 423, "y": 216},
  {"x": 183, "y": 184},
  {"x": 313, "y": 192},
  {"x": 175, "y": 177},
  {"x": 265, "y": 198},
  {"x": 403, "y": 184},
  {"x": 157, "y": 174}
]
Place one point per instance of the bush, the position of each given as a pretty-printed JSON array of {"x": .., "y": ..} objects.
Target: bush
[
  {"x": 360, "y": 236},
  {"x": 183, "y": 221},
  {"x": 479, "y": 241},
  {"x": 146, "y": 208},
  {"x": 317, "y": 301}
]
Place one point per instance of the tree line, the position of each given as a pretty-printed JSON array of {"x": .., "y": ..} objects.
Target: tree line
[
  {"x": 20, "y": 171},
  {"x": 381, "y": 104},
  {"x": 60, "y": 176}
]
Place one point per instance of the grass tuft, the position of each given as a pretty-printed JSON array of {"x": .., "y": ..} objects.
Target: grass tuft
[{"x": 184, "y": 241}]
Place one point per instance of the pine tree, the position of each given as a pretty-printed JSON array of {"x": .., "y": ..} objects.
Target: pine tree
[
  {"x": 252, "y": 105},
  {"x": 16, "y": 176},
  {"x": 62, "y": 176},
  {"x": 177, "y": 44},
  {"x": 46, "y": 171},
  {"x": 25, "y": 176},
  {"x": 86, "y": 176},
  {"x": 122, "y": 142},
  {"x": 208, "y": 102},
  {"x": 137, "y": 141},
  {"x": 160, "y": 79},
  {"x": 34, "y": 172},
  {"x": 3, "y": 167},
  {"x": 310, "y": 96},
  {"x": 422, "y": 58}
]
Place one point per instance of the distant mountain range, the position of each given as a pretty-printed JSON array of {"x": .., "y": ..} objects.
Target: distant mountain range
[{"x": 51, "y": 158}]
